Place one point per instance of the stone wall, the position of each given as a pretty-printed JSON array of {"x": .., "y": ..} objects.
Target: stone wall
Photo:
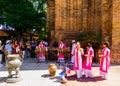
[
  {"x": 71, "y": 17},
  {"x": 51, "y": 17},
  {"x": 68, "y": 18},
  {"x": 115, "y": 53},
  {"x": 115, "y": 56},
  {"x": 107, "y": 20}
]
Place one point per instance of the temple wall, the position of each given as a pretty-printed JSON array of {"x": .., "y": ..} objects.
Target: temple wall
[
  {"x": 106, "y": 20},
  {"x": 71, "y": 17},
  {"x": 68, "y": 18},
  {"x": 115, "y": 53}
]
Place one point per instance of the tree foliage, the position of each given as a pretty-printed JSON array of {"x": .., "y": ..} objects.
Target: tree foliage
[
  {"x": 19, "y": 14},
  {"x": 40, "y": 7},
  {"x": 22, "y": 14}
]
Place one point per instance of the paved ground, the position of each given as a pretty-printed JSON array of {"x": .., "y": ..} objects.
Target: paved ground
[
  {"x": 113, "y": 78},
  {"x": 34, "y": 74}
]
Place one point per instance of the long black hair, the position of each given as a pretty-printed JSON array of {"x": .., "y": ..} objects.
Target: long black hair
[
  {"x": 107, "y": 44},
  {"x": 88, "y": 45}
]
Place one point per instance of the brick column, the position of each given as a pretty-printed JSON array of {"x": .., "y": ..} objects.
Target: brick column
[
  {"x": 51, "y": 17},
  {"x": 97, "y": 16},
  {"x": 115, "y": 54},
  {"x": 85, "y": 15},
  {"x": 106, "y": 19},
  {"x": 57, "y": 14},
  {"x": 79, "y": 17},
  {"x": 59, "y": 30},
  {"x": 63, "y": 14}
]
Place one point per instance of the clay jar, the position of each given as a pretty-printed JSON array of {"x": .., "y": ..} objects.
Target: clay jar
[
  {"x": 52, "y": 69},
  {"x": 13, "y": 61}
]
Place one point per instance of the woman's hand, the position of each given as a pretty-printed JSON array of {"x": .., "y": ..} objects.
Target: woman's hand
[
  {"x": 86, "y": 55},
  {"x": 80, "y": 50},
  {"x": 101, "y": 55}
]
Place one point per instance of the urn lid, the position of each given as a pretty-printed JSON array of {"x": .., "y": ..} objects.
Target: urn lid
[
  {"x": 13, "y": 56},
  {"x": 52, "y": 65}
]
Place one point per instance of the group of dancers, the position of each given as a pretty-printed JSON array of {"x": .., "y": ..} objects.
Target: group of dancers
[
  {"x": 85, "y": 65},
  {"x": 82, "y": 61}
]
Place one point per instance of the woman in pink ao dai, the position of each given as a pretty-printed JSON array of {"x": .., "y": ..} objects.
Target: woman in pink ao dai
[
  {"x": 61, "y": 54},
  {"x": 87, "y": 63},
  {"x": 104, "y": 60},
  {"x": 41, "y": 55},
  {"x": 78, "y": 53}
]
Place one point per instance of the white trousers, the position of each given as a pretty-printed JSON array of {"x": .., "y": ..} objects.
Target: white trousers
[
  {"x": 42, "y": 58},
  {"x": 103, "y": 75},
  {"x": 0, "y": 58},
  {"x": 79, "y": 73},
  {"x": 61, "y": 60},
  {"x": 88, "y": 73},
  {"x": 72, "y": 59},
  {"x": 23, "y": 54}
]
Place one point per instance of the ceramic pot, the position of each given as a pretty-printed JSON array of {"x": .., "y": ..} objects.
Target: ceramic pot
[{"x": 52, "y": 69}]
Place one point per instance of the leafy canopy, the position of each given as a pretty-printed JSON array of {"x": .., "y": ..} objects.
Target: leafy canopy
[{"x": 21, "y": 14}]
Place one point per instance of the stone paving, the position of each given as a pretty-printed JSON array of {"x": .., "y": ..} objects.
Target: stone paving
[
  {"x": 113, "y": 78},
  {"x": 34, "y": 74}
]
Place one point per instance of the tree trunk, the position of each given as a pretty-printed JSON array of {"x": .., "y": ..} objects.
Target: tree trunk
[{"x": 19, "y": 35}]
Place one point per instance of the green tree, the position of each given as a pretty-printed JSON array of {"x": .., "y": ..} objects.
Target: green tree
[
  {"x": 40, "y": 7},
  {"x": 2, "y": 5},
  {"x": 24, "y": 15},
  {"x": 19, "y": 14}
]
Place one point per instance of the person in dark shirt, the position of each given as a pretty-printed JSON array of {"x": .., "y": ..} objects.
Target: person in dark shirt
[
  {"x": 28, "y": 49},
  {"x": 33, "y": 47}
]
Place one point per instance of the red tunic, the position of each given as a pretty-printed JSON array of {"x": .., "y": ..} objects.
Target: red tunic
[
  {"x": 87, "y": 63},
  {"x": 16, "y": 48}
]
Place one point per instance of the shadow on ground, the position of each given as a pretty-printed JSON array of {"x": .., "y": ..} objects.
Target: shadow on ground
[
  {"x": 83, "y": 79},
  {"x": 2, "y": 79},
  {"x": 56, "y": 78}
]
